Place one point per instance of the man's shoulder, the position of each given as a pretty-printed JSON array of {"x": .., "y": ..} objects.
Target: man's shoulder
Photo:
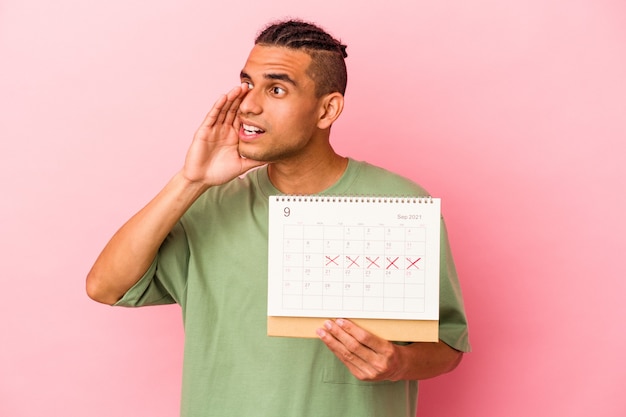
[{"x": 373, "y": 179}]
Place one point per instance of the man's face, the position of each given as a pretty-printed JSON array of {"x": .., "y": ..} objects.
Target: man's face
[{"x": 279, "y": 114}]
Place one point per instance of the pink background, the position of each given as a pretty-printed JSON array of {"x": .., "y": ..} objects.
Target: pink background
[{"x": 513, "y": 112}]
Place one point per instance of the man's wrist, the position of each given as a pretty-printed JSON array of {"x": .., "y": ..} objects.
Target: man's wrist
[{"x": 190, "y": 188}]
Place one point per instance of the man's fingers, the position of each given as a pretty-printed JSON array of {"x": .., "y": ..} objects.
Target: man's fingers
[
  {"x": 365, "y": 354},
  {"x": 228, "y": 112},
  {"x": 347, "y": 346},
  {"x": 231, "y": 115},
  {"x": 334, "y": 338},
  {"x": 211, "y": 118},
  {"x": 364, "y": 337},
  {"x": 225, "y": 108}
]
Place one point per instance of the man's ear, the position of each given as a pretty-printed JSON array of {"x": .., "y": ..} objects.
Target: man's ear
[{"x": 331, "y": 107}]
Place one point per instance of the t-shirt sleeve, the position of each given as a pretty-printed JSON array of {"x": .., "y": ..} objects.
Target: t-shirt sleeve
[
  {"x": 452, "y": 319},
  {"x": 165, "y": 280}
]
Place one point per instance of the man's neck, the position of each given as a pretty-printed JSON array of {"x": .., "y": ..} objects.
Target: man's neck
[{"x": 307, "y": 176}]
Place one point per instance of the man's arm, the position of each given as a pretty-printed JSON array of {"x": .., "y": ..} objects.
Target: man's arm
[
  {"x": 212, "y": 159},
  {"x": 370, "y": 358}
]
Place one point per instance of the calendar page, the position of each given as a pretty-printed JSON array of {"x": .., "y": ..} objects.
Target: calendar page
[{"x": 354, "y": 257}]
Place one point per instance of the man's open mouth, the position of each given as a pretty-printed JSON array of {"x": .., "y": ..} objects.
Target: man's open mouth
[{"x": 251, "y": 130}]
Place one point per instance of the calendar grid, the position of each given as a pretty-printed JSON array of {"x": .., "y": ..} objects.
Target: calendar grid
[{"x": 353, "y": 268}]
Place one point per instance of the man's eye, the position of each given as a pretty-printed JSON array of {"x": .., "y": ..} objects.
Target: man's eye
[
  {"x": 250, "y": 86},
  {"x": 278, "y": 90}
]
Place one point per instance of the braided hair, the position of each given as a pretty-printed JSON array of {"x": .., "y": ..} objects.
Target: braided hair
[{"x": 327, "y": 68}]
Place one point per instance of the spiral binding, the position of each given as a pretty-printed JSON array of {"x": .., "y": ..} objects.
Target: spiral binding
[{"x": 353, "y": 199}]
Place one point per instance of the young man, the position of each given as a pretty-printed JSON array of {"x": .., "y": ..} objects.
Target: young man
[{"x": 182, "y": 246}]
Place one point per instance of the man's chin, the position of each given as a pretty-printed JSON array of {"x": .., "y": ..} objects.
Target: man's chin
[{"x": 247, "y": 154}]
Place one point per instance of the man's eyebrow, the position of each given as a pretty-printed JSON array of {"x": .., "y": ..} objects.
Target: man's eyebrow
[
  {"x": 281, "y": 77},
  {"x": 271, "y": 76}
]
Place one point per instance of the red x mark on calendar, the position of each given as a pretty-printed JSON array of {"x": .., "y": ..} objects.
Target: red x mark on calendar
[
  {"x": 412, "y": 263},
  {"x": 372, "y": 262},
  {"x": 352, "y": 261},
  {"x": 392, "y": 263},
  {"x": 332, "y": 260}
]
